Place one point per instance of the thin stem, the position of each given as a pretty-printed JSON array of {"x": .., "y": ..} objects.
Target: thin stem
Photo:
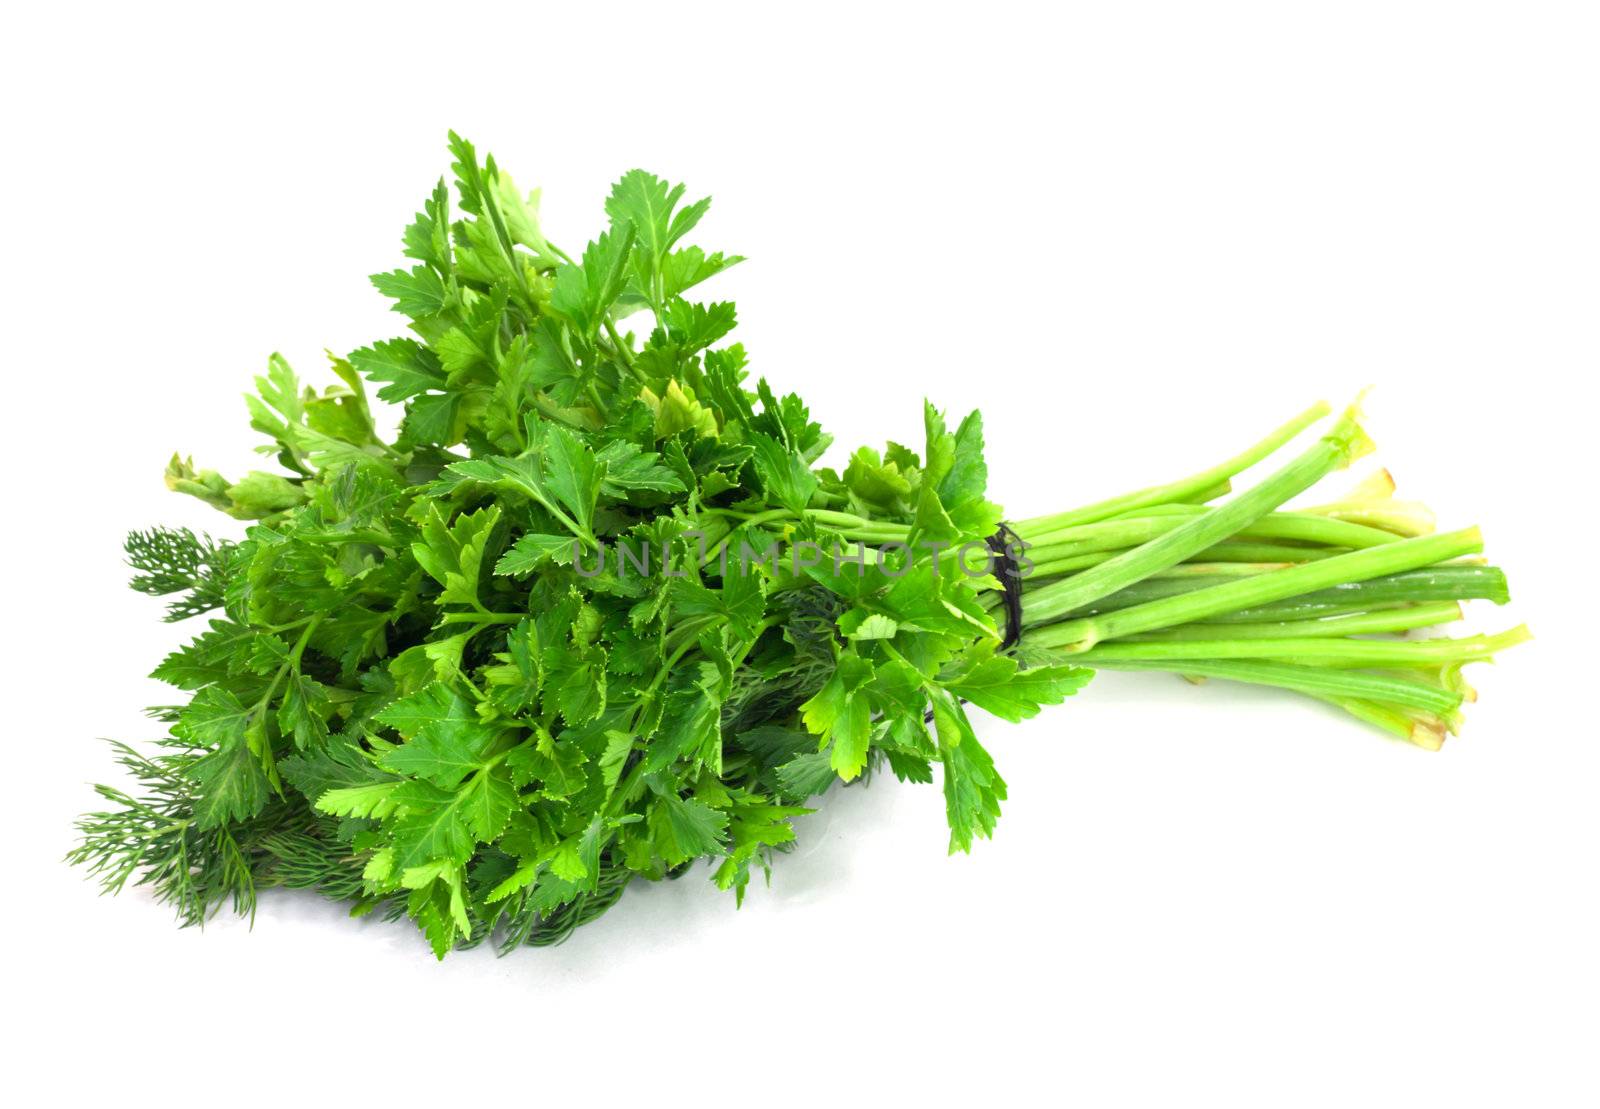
[
  {"x": 300, "y": 645},
  {"x": 357, "y": 535},
  {"x": 1264, "y": 555},
  {"x": 1318, "y": 650},
  {"x": 1184, "y": 489},
  {"x": 623, "y": 352},
  {"x": 1356, "y": 623},
  {"x": 482, "y": 617},
  {"x": 1124, "y": 531},
  {"x": 1315, "y": 680}
]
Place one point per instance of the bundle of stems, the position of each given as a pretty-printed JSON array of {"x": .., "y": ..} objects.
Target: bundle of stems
[{"x": 1327, "y": 600}]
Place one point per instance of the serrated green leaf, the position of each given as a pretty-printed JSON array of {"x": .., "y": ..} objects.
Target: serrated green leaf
[
  {"x": 487, "y": 802},
  {"x": 417, "y": 292},
  {"x": 840, "y": 714},
  {"x": 445, "y": 740},
  {"x": 685, "y": 829},
  {"x": 404, "y": 366},
  {"x": 784, "y": 474},
  {"x": 996, "y": 685},
  {"x": 533, "y": 550}
]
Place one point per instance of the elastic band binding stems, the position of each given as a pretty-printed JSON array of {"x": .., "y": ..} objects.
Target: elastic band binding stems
[{"x": 1002, "y": 544}]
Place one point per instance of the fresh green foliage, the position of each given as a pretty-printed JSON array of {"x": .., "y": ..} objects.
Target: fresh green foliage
[{"x": 595, "y": 613}]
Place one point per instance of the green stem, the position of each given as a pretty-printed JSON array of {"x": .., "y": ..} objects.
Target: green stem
[
  {"x": 572, "y": 417},
  {"x": 1344, "y": 442},
  {"x": 1206, "y": 494},
  {"x": 623, "y": 352},
  {"x": 1215, "y": 600},
  {"x": 263, "y": 751},
  {"x": 482, "y": 617},
  {"x": 1300, "y": 527},
  {"x": 300, "y": 645},
  {"x": 686, "y": 633},
  {"x": 292, "y": 662},
  {"x": 1182, "y": 578},
  {"x": 1316, "y": 650},
  {"x": 1426, "y": 730},
  {"x": 358, "y": 535},
  {"x": 714, "y": 550},
  {"x": 1357, "y": 623},
  {"x": 1315, "y": 680},
  {"x": 1270, "y": 555},
  {"x": 1452, "y": 582},
  {"x": 1185, "y": 489},
  {"x": 1434, "y": 583}
]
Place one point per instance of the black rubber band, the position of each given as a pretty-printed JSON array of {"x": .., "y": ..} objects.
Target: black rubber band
[{"x": 1004, "y": 544}]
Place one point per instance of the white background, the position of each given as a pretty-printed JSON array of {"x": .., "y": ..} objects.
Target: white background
[{"x": 1137, "y": 236}]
